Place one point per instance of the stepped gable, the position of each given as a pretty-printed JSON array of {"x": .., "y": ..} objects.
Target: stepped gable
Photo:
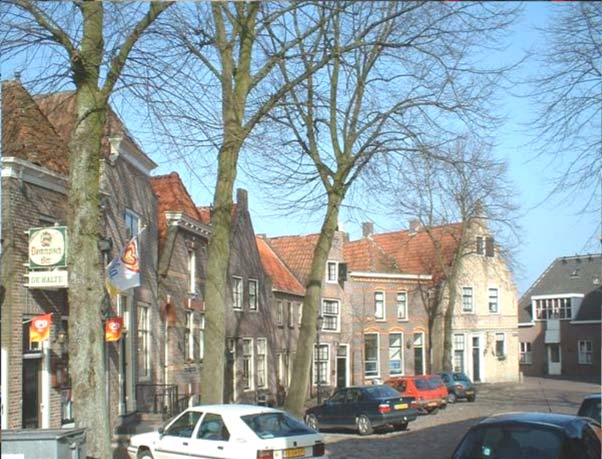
[
  {"x": 27, "y": 133},
  {"x": 297, "y": 252},
  {"x": 283, "y": 280},
  {"x": 365, "y": 255}
]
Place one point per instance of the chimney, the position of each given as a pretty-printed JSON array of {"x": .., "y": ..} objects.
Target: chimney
[
  {"x": 414, "y": 225},
  {"x": 367, "y": 229},
  {"x": 241, "y": 199}
]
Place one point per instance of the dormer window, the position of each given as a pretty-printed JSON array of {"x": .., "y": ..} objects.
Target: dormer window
[{"x": 331, "y": 271}]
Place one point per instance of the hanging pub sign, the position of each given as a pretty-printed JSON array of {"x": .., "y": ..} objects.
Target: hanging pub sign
[
  {"x": 113, "y": 329},
  {"x": 48, "y": 247},
  {"x": 39, "y": 328}
]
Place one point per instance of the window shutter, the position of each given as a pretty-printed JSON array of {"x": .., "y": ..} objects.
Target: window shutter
[
  {"x": 342, "y": 272},
  {"x": 489, "y": 247},
  {"x": 479, "y": 245}
]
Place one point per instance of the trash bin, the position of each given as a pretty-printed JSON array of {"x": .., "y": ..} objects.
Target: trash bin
[{"x": 44, "y": 443}]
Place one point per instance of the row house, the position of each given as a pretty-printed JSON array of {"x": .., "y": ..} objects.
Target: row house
[
  {"x": 561, "y": 320},
  {"x": 36, "y": 383}
]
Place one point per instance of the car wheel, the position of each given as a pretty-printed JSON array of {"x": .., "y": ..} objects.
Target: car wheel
[
  {"x": 364, "y": 426},
  {"x": 451, "y": 398},
  {"x": 472, "y": 398},
  {"x": 145, "y": 454},
  {"x": 400, "y": 426},
  {"x": 434, "y": 410},
  {"x": 312, "y": 421}
]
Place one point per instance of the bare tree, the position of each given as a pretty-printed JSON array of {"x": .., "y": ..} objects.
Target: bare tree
[
  {"x": 406, "y": 80},
  {"x": 567, "y": 91},
  {"x": 93, "y": 63}
]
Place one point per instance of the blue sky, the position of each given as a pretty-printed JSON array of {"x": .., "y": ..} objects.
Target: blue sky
[{"x": 550, "y": 227}]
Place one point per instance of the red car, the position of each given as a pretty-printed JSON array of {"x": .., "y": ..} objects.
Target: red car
[
  {"x": 427, "y": 399},
  {"x": 439, "y": 386}
]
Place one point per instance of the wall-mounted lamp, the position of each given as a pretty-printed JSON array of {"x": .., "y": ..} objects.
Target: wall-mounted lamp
[
  {"x": 409, "y": 343},
  {"x": 61, "y": 340}
]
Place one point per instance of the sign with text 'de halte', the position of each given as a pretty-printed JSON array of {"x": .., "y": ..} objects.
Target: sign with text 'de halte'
[{"x": 48, "y": 247}]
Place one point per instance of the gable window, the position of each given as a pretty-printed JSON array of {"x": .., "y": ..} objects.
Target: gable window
[
  {"x": 331, "y": 271},
  {"x": 379, "y": 305},
  {"x": 585, "y": 352},
  {"x": 321, "y": 364},
  {"x": 458, "y": 353},
  {"x": 247, "y": 363},
  {"x": 526, "y": 357},
  {"x": 280, "y": 313},
  {"x": 291, "y": 315},
  {"x": 132, "y": 224},
  {"x": 500, "y": 345},
  {"x": 467, "y": 300},
  {"x": 262, "y": 370},
  {"x": 480, "y": 245},
  {"x": 252, "y": 294},
  {"x": 553, "y": 308},
  {"x": 236, "y": 292},
  {"x": 143, "y": 350},
  {"x": 395, "y": 354},
  {"x": 493, "y": 300},
  {"x": 371, "y": 355},
  {"x": 330, "y": 315},
  {"x": 402, "y": 305}
]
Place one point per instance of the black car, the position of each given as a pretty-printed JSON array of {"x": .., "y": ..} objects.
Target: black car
[
  {"x": 458, "y": 386},
  {"x": 363, "y": 408},
  {"x": 591, "y": 407},
  {"x": 533, "y": 436}
]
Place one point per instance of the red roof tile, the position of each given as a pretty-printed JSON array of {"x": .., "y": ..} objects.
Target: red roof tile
[
  {"x": 283, "y": 279},
  {"x": 365, "y": 255},
  {"x": 297, "y": 252}
]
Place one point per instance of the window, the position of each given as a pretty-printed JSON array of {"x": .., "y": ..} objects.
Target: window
[
  {"x": 585, "y": 352},
  {"x": 262, "y": 370},
  {"x": 280, "y": 314},
  {"x": 331, "y": 271},
  {"x": 213, "y": 428},
  {"x": 188, "y": 335},
  {"x": 467, "y": 305},
  {"x": 184, "y": 425},
  {"x": 489, "y": 247},
  {"x": 458, "y": 353},
  {"x": 395, "y": 354},
  {"x": 480, "y": 245},
  {"x": 321, "y": 363},
  {"x": 493, "y": 300},
  {"x": 236, "y": 292},
  {"x": 500, "y": 345},
  {"x": 526, "y": 358},
  {"x": 192, "y": 271},
  {"x": 202, "y": 337},
  {"x": 291, "y": 315},
  {"x": 379, "y": 305},
  {"x": 143, "y": 351},
  {"x": 132, "y": 224},
  {"x": 247, "y": 363},
  {"x": 252, "y": 294},
  {"x": 330, "y": 314},
  {"x": 371, "y": 355},
  {"x": 553, "y": 308},
  {"x": 402, "y": 305},
  {"x": 300, "y": 313}
]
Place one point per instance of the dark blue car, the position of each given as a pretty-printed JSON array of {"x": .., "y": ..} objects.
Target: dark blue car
[{"x": 363, "y": 408}]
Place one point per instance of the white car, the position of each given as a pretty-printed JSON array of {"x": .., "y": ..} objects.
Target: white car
[{"x": 230, "y": 432}]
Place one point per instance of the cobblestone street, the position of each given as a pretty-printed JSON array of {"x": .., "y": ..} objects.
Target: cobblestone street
[{"x": 435, "y": 436}]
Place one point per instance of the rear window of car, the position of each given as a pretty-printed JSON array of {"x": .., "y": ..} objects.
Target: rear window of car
[
  {"x": 591, "y": 408},
  {"x": 460, "y": 377},
  {"x": 422, "y": 384},
  {"x": 511, "y": 441},
  {"x": 381, "y": 392},
  {"x": 435, "y": 382},
  {"x": 273, "y": 425}
]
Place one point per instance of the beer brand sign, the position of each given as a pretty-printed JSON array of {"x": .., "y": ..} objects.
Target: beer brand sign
[{"x": 48, "y": 247}]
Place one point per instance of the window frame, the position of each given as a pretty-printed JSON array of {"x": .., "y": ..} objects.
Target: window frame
[
  {"x": 504, "y": 348},
  {"x": 237, "y": 282},
  {"x": 253, "y": 305},
  {"x": 192, "y": 272},
  {"x": 383, "y": 318},
  {"x": 300, "y": 313},
  {"x": 377, "y": 361},
  {"x": 336, "y": 271},
  {"x": 188, "y": 336},
  {"x": 143, "y": 335},
  {"x": 318, "y": 359},
  {"x": 280, "y": 313},
  {"x": 465, "y": 289},
  {"x": 525, "y": 353},
  {"x": 248, "y": 358},
  {"x": 128, "y": 215},
  {"x": 262, "y": 372},
  {"x": 582, "y": 357},
  {"x": 401, "y": 356},
  {"x": 337, "y": 315},
  {"x": 497, "y": 299},
  {"x": 405, "y": 317},
  {"x": 457, "y": 350},
  {"x": 291, "y": 314}
]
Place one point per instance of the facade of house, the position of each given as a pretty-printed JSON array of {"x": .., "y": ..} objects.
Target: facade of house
[{"x": 561, "y": 320}]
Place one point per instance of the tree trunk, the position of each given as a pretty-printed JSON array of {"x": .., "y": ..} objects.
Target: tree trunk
[
  {"x": 447, "y": 361},
  {"x": 86, "y": 287},
  {"x": 311, "y": 306}
]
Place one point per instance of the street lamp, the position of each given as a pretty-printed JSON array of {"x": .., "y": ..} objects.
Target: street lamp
[{"x": 319, "y": 323}]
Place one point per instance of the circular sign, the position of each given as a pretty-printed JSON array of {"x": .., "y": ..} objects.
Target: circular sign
[{"x": 47, "y": 247}]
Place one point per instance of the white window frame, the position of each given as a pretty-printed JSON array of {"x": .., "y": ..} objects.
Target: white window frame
[
  {"x": 248, "y": 357},
  {"x": 585, "y": 357},
  {"x": 192, "y": 272},
  {"x": 280, "y": 314},
  {"x": 131, "y": 230},
  {"x": 383, "y": 317},
  {"x": 401, "y": 356},
  {"x": 262, "y": 373},
  {"x": 300, "y": 313},
  {"x": 337, "y": 315},
  {"x": 465, "y": 289},
  {"x": 336, "y": 272},
  {"x": 189, "y": 335},
  {"x": 504, "y": 350},
  {"x": 457, "y": 349},
  {"x": 377, "y": 375},
  {"x": 324, "y": 377},
  {"x": 549, "y": 307},
  {"x": 498, "y": 302},
  {"x": 291, "y": 314},
  {"x": 201, "y": 336},
  {"x": 253, "y": 304},
  {"x": 237, "y": 293},
  {"x": 404, "y": 317},
  {"x": 525, "y": 353},
  {"x": 144, "y": 335}
]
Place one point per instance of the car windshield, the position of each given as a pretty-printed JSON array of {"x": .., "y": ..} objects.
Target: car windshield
[
  {"x": 591, "y": 408},
  {"x": 422, "y": 384},
  {"x": 510, "y": 442},
  {"x": 435, "y": 382},
  {"x": 460, "y": 377},
  {"x": 272, "y": 425},
  {"x": 378, "y": 392}
]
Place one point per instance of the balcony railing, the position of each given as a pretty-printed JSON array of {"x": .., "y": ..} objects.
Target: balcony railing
[{"x": 159, "y": 399}]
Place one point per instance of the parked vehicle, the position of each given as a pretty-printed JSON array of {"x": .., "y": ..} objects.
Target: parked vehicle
[
  {"x": 533, "y": 436},
  {"x": 591, "y": 407},
  {"x": 427, "y": 398},
  {"x": 228, "y": 431},
  {"x": 459, "y": 386},
  {"x": 364, "y": 408},
  {"x": 437, "y": 384}
]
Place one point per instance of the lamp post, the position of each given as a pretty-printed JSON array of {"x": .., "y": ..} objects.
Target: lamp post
[{"x": 319, "y": 323}]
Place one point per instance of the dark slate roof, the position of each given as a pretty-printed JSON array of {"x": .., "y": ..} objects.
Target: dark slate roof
[
  {"x": 591, "y": 307},
  {"x": 576, "y": 274}
]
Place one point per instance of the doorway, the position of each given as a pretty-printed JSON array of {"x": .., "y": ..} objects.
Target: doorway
[
  {"x": 342, "y": 351},
  {"x": 554, "y": 359},
  {"x": 476, "y": 359},
  {"x": 31, "y": 393}
]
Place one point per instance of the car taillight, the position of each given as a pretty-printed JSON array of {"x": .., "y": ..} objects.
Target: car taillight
[
  {"x": 265, "y": 454},
  {"x": 319, "y": 450},
  {"x": 384, "y": 408},
  {"x": 414, "y": 404}
]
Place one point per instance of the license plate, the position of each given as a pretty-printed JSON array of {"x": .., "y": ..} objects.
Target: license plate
[
  {"x": 470, "y": 391},
  {"x": 401, "y": 406},
  {"x": 294, "y": 452},
  {"x": 432, "y": 404}
]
